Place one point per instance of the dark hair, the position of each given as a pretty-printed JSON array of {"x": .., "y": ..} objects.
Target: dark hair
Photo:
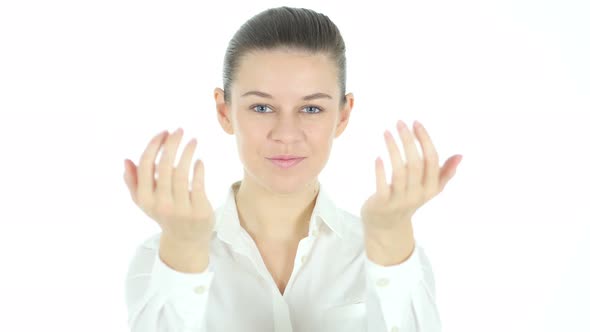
[{"x": 289, "y": 28}]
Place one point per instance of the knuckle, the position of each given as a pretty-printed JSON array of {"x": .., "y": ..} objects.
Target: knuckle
[
  {"x": 144, "y": 159},
  {"x": 399, "y": 176},
  {"x": 180, "y": 176},
  {"x": 164, "y": 208},
  {"x": 415, "y": 164},
  {"x": 197, "y": 184},
  {"x": 432, "y": 155},
  {"x": 143, "y": 199},
  {"x": 431, "y": 158},
  {"x": 160, "y": 167}
]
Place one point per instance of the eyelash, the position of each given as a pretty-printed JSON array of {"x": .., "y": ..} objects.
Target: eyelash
[{"x": 320, "y": 110}]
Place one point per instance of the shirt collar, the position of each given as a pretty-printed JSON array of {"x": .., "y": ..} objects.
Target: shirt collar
[{"x": 228, "y": 227}]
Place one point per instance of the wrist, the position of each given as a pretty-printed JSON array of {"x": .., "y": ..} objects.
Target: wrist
[
  {"x": 391, "y": 247},
  {"x": 187, "y": 257}
]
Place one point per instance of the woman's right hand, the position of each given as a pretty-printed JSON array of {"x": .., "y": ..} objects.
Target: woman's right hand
[{"x": 183, "y": 215}]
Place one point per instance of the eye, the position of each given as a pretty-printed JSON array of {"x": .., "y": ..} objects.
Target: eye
[
  {"x": 319, "y": 109},
  {"x": 255, "y": 107},
  {"x": 258, "y": 107}
]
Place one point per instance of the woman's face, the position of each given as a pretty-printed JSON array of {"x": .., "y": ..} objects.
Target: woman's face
[{"x": 270, "y": 115}]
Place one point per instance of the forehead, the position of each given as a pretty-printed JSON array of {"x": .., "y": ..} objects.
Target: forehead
[{"x": 283, "y": 69}]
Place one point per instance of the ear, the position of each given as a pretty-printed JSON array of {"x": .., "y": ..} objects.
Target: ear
[
  {"x": 344, "y": 115},
  {"x": 223, "y": 111}
]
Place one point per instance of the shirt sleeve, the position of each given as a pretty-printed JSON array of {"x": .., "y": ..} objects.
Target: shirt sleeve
[
  {"x": 160, "y": 298},
  {"x": 405, "y": 293}
]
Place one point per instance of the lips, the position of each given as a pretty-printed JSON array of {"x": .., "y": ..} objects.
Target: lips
[
  {"x": 286, "y": 163},
  {"x": 285, "y": 157}
]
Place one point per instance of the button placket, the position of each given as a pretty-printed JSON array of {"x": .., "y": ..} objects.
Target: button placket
[
  {"x": 306, "y": 245},
  {"x": 303, "y": 259}
]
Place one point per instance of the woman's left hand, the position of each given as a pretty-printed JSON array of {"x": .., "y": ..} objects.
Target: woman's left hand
[{"x": 388, "y": 212}]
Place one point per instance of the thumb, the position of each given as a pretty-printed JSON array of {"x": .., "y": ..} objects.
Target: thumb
[
  {"x": 129, "y": 181},
  {"x": 449, "y": 170}
]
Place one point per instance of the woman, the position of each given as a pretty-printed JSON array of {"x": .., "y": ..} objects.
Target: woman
[{"x": 277, "y": 255}]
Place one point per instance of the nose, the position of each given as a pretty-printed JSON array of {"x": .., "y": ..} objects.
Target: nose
[{"x": 287, "y": 128}]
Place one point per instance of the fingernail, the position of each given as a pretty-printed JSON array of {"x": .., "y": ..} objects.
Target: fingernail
[{"x": 400, "y": 124}]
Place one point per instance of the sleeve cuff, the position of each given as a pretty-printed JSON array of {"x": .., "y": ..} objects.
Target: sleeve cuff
[
  {"x": 188, "y": 293},
  {"x": 393, "y": 286},
  {"x": 403, "y": 274}
]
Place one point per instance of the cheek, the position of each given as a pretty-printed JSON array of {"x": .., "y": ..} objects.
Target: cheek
[
  {"x": 247, "y": 127},
  {"x": 250, "y": 142},
  {"x": 321, "y": 133}
]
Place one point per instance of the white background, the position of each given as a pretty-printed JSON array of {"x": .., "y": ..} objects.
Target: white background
[{"x": 84, "y": 85}]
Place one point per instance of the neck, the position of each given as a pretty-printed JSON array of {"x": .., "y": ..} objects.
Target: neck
[{"x": 268, "y": 215}]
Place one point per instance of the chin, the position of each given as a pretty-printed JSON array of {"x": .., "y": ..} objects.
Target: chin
[
  {"x": 291, "y": 184},
  {"x": 284, "y": 180}
]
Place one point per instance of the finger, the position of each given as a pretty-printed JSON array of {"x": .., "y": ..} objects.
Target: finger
[
  {"x": 398, "y": 179},
  {"x": 130, "y": 179},
  {"x": 448, "y": 170},
  {"x": 180, "y": 187},
  {"x": 154, "y": 182},
  {"x": 415, "y": 164},
  {"x": 381, "y": 186},
  {"x": 198, "y": 186},
  {"x": 145, "y": 172},
  {"x": 431, "y": 168},
  {"x": 166, "y": 166}
]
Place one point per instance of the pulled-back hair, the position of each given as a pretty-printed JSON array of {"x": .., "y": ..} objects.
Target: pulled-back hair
[{"x": 286, "y": 28}]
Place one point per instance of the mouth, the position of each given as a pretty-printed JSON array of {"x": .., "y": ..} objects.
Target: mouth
[{"x": 285, "y": 163}]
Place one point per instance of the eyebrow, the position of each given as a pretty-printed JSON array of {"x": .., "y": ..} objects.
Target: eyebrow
[{"x": 266, "y": 95}]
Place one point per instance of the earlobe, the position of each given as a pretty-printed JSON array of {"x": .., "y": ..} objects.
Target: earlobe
[{"x": 224, "y": 119}]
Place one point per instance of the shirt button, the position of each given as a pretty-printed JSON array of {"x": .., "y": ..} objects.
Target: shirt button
[
  {"x": 200, "y": 289},
  {"x": 382, "y": 282},
  {"x": 303, "y": 258},
  {"x": 314, "y": 232},
  {"x": 394, "y": 329}
]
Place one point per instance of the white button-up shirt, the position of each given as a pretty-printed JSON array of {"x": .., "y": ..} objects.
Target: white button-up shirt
[{"x": 333, "y": 285}]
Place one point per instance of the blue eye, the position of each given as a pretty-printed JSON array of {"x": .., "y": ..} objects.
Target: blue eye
[
  {"x": 319, "y": 110},
  {"x": 255, "y": 108}
]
